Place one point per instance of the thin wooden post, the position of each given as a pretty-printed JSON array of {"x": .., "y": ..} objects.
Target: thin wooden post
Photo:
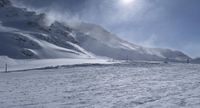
[{"x": 6, "y": 67}]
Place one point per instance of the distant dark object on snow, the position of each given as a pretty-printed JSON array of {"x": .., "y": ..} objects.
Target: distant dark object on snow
[{"x": 196, "y": 61}]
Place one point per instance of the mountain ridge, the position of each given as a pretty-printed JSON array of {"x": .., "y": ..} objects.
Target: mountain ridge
[
  {"x": 25, "y": 35},
  {"x": 133, "y": 51}
]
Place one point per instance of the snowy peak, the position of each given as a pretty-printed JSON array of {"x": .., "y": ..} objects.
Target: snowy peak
[{"x": 4, "y": 3}]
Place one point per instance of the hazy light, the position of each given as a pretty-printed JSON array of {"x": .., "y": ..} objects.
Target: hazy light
[{"x": 126, "y": 2}]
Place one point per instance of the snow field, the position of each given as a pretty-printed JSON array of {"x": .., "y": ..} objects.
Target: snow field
[{"x": 118, "y": 86}]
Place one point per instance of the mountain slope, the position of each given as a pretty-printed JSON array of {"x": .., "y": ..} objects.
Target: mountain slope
[
  {"x": 26, "y": 35},
  {"x": 101, "y": 42}
]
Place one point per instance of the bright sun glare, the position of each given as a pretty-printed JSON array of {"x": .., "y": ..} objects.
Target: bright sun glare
[{"x": 126, "y": 2}]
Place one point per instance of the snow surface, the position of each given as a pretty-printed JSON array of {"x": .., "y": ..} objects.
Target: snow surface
[
  {"x": 29, "y": 64},
  {"x": 116, "y": 86}
]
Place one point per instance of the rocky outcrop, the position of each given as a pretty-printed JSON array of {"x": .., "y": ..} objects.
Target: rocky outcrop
[{"x": 4, "y": 3}]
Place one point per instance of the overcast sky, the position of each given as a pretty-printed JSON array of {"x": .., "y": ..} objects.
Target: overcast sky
[{"x": 171, "y": 24}]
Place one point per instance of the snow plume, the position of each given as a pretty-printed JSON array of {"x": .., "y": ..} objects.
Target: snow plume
[
  {"x": 65, "y": 17},
  {"x": 52, "y": 13}
]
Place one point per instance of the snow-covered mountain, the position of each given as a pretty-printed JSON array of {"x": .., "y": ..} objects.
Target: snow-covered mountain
[
  {"x": 101, "y": 42},
  {"x": 25, "y": 34}
]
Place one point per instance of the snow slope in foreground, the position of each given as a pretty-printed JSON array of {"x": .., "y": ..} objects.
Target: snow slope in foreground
[{"x": 146, "y": 86}]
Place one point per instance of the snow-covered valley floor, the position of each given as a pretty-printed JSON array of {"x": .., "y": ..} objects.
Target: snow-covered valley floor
[{"x": 115, "y": 86}]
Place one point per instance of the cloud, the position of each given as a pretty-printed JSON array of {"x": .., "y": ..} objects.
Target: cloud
[
  {"x": 53, "y": 12},
  {"x": 56, "y": 15},
  {"x": 105, "y": 12}
]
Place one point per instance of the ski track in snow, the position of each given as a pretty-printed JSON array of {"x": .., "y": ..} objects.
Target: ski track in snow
[{"x": 146, "y": 86}]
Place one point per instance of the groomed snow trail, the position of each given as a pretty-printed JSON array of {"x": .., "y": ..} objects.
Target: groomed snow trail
[{"x": 120, "y": 86}]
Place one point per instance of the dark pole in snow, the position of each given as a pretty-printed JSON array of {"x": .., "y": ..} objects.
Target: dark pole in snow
[{"x": 6, "y": 67}]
